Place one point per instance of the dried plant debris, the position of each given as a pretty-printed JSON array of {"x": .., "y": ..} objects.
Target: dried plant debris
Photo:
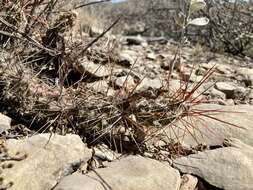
[
  {"x": 125, "y": 121},
  {"x": 47, "y": 75}
]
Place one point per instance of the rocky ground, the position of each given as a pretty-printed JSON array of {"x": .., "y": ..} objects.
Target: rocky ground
[{"x": 216, "y": 136}]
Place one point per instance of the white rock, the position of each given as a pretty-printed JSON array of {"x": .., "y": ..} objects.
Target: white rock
[
  {"x": 217, "y": 94},
  {"x": 149, "y": 84},
  {"x": 230, "y": 102},
  {"x": 104, "y": 153},
  {"x": 228, "y": 168},
  {"x": 96, "y": 70},
  {"x": 5, "y": 123},
  {"x": 250, "y": 94},
  {"x": 246, "y": 74},
  {"x": 188, "y": 182},
  {"x": 101, "y": 87},
  {"x": 129, "y": 173},
  {"x": 151, "y": 56},
  {"x": 212, "y": 131},
  {"x": 224, "y": 69},
  {"x": 125, "y": 81},
  {"x": 176, "y": 85},
  {"x": 127, "y": 57},
  {"x": 48, "y": 160},
  {"x": 226, "y": 87}
]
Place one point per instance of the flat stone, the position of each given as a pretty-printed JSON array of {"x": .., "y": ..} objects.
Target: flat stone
[
  {"x": 250, "y": 94},
  {"x": 5, "y": 123},
  {"x": 151, "y": 56},
  {"x": 95, "y": 70},
  {"x": 246, "y": 74},
  {"x": 226, "y": 87},
  {"x": 127, "y": 57},
  {"x": 228, "y": 168},
  {"x": 132, "y": 172},
  {"x": 135, "y": 29},
  {"x": 49, "y": 158},
  {"x": 220, "y": 122},
  {"x": 188, "y": 182},
  {"x": 101, "y": 87},
  {"x": 125, "y": 81},
  {"x": 149, "y": 84},
  {"x": 195, "y": 78},
  {"x": 102, "y": 152},
  {"x": 230, "y": 102},
  {"x": 176, "y": 86},
  {"x": 224, "y": 69},
  {"x": 217, "y": 94},
  {"x": 239, "y": 93},
  {"x": 209, "y": 65}
]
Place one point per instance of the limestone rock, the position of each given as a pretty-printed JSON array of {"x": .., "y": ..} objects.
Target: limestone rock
[
  {"x": 220, "y": 123},
  {"x": 151, "y": 56},
  {"x": 101, "y": 87},
  {"x": 217, "y": 94},
  {"x": 149, "y": 84},
  {"x": 250, "y": 94},
  {"x": 227, "y": 88},
  {"x": 125, "y": 81},
  {"x": 95, "y": 70},
  {"x": 228, "y": 168},
  {"x": 224, "y": 69},
  {"x": 246, "y": 74},
  {"x": 189, "y": 182},
  {"x": 102, "y": 152},
  {"x": 48, "y": 160},
  {"x": 135, "y": 29},
  {"x": 127, "y": 57},
  {"x": 5, "y": 123},
  {"x": 129, "y": 173}
]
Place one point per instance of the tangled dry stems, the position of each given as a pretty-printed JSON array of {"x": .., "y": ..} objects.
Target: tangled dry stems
[{"x": 43, "y": 89}]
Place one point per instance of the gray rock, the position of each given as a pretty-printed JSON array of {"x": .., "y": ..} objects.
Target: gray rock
[
  {"x": 250, "y": 94},
  {"x": 151, "y": 56},
  {"x": 214, "y": 93},
  {"x": 48, "y": 160},
  {"x": 230, "y": 102},
  {"x": 228, "y": 168},
  {"x": 104, "y": 153},
  {"x": 209, "y": 65},
  {"x": 127, "y": 57},
  {"x": 220, "y": 123},
  {"x": 226, "y": 87},
  {"x": 101, "y": 87},
  {"x": 189, "y": 74},
  {"x": 246, "y": 74},
  {"x": 126, "y": 81},
  {"x": 149, "y": 84},
  {"x": 129, "y": 173},
  {"x": 188, "y": 182},
  {"x": 96, "y": 70},
  {"x": 196, "y": 78},
  {"x": 224, "y": 69},
  {"x": 239, "y": 93},
  {"x": 176, "y": 86},
  {"x": 136, "y": 28},
  {"x": 5, "y": 123}
]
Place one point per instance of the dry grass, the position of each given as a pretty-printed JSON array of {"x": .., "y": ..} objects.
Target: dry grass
[{"x": 42, "y": 89}]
